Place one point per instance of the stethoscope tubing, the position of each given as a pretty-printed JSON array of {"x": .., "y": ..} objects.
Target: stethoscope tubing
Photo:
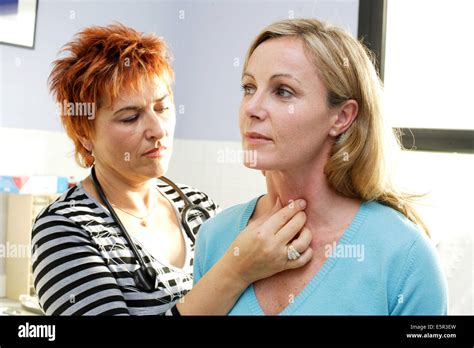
[
  {"x": 122, "y": 228},
  {"x": 188, "y": 207}
]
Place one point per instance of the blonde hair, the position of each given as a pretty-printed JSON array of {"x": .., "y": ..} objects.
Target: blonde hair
[{"x": 357, "y": 167}]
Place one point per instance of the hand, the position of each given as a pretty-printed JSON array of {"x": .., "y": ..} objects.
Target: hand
[{"x": 260, "y": 250}]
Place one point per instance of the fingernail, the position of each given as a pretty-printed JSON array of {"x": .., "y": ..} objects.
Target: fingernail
[{"x": 302, "y": 203}]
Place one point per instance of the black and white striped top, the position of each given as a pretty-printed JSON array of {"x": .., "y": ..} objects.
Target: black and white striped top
[{"x": 82, "y": 265}]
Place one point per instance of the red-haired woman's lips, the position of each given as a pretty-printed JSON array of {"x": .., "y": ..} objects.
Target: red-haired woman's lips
[
  {"x": 155, "y": 152},
  {"x": 257, "y": 138}
]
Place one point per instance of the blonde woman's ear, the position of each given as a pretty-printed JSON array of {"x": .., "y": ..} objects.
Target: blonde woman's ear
[{"x": 346, "y": 116}]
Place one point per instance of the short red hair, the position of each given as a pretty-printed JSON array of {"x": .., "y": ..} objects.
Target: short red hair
[{"x": 101, "y": 62}]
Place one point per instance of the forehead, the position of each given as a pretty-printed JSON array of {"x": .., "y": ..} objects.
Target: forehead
[
  {"x": 284, "y": 55},
  {"x": 146, "y": 90}
]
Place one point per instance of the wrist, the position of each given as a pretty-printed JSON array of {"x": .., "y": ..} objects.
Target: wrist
[{"x": 234, "y": 269}]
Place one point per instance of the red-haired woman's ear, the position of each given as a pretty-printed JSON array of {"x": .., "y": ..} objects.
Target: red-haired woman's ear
[{"x": 85, "y": 142}]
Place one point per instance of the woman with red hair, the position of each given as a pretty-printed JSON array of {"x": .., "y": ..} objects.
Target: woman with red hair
[{"x": 116, "y": 242}]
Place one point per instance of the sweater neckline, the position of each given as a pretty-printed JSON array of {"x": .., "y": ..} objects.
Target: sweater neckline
[{"x": 328, "y": 265}]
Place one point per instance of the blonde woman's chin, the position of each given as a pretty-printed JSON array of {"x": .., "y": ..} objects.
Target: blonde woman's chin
[{"x": 261, "y": 166}]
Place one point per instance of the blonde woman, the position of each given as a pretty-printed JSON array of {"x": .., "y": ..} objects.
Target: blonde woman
[{"x": 311, "y": 109}]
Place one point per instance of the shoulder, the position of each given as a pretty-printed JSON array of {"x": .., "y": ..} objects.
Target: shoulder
[
  {"x": 408, "y": 258},
  {"x": 66, "y": 216},
  {"x": 222, "y": 229},
  {"x": 74, "y": 199},
  {"x": 218, "y": 233},
  {"x": 388, "y": 226},
  {"x": 408, "y": 244},
  {"x": 396, "y": 242},
  {"x": 59, "y": 207}
]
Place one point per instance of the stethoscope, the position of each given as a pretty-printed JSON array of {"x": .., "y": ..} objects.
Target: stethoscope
[{"x": 145, "y": 276}]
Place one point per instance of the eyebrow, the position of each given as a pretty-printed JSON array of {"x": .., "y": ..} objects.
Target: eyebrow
[
  {"x": 137, "y": 107},
  {"x": 274, "y": 76}
]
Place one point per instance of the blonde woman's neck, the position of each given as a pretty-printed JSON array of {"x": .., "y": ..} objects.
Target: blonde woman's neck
[{"x": 327, "y": 211}]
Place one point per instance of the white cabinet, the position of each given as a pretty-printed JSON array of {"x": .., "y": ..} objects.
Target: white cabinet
[{"x": 22, "y": 211}]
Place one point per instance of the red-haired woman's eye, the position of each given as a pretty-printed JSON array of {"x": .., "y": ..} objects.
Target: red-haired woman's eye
[
  {"x": 161, "y": 110},
  {"x": 130, "y": 119}
]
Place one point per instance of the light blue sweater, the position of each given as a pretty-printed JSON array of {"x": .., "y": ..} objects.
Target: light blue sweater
[{"x": 383, "y": 264}]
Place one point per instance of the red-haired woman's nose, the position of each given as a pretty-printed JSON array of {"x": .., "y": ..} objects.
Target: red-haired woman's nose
[{"x": 155, "y": 128}]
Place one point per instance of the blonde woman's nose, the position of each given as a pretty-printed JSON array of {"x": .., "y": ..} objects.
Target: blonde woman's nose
[{"x": 256, "y": 106}]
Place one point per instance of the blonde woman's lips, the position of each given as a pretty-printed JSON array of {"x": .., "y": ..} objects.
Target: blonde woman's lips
[{"x": 257, "y": 138}]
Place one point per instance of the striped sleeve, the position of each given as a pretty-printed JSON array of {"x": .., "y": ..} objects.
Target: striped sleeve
[
  {"x": 173, "y": 311},
  {"x": 69, "y": 274},
  {"x": 200, "y": 198}
]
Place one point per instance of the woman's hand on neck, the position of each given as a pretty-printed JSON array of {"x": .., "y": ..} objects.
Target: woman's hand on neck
[{"x": 324, "y": 204}]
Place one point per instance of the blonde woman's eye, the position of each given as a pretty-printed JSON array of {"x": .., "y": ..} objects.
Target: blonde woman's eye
[
  {"x": 247, "y": 89},
  {"x": 283, "y": 92}
]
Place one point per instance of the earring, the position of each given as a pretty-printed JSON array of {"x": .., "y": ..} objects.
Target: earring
[
  {"x": 333, "y": 133},
  {"x": 89, "y": 158}
]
